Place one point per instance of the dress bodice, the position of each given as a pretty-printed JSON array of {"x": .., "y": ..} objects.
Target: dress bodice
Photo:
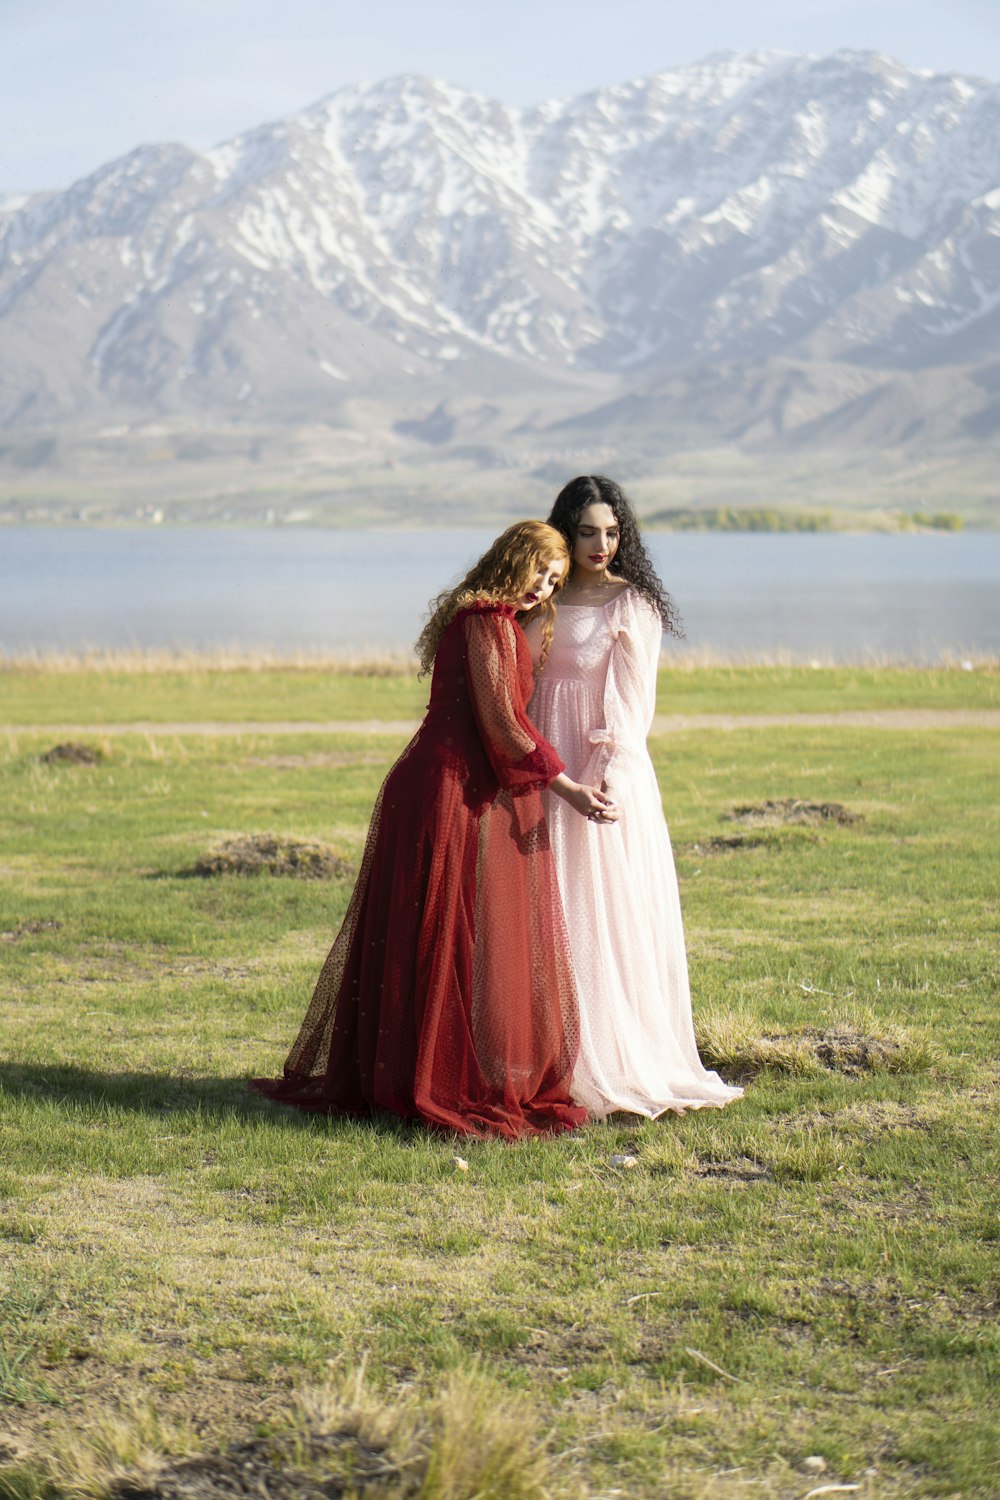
[
  {"x": 598, "y": 684},
  {"x": 570, "y": 688},
  {"x": 581, "y": 645}
]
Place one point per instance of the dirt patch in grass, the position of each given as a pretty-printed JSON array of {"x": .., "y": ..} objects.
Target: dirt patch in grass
[
  {"x": 781, "y": 811},
  {"x": 852, "y": 1052},
  {"x": 341, "y": 1464},
  {"x": 73, "y": 753},
  {"x": 560, "y": 1350},
  {"x": 726, "y": 843},
  {"x": 268, "y": 853},
  {"x": 740, "y": 1169},
  {"x": 29, "y": 929},
  {"x": 194, "y": 968},
  {"x": 85, "y": 1391},
  {"x": 868, "y": 1119},
  {"x": 856, "y": 1052},
  {"x": 740, "y": 1053},
  {"x": 940, "y": 1307}
]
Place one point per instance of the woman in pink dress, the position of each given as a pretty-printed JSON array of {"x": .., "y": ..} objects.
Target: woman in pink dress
[
  {"x": 594, "y": 699},
  {"x": 448, "y": 994}
]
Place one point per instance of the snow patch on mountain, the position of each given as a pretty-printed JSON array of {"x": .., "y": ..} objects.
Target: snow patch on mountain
[{"x": 745, "y": 206}]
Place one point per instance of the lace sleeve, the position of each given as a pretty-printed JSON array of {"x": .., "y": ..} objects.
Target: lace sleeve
[
  {"x": 521, "y": 759},
  {"x": 629, "y": 690}
]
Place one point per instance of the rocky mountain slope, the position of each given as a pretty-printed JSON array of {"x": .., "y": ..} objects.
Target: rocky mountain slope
[{"x": 755, "y": 248}]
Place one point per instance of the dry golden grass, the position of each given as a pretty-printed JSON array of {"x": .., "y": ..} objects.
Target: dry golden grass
[
  {"x": 155, "y": 661},
  {"x": 461, "y": 1443},
  {"x": 268, "y": 853},
  {"x": 678, "y": 656}
]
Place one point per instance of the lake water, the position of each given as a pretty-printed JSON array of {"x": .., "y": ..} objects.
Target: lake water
[{"x": 828, "y": 596}]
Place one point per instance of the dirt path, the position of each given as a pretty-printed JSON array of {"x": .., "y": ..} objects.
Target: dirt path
[{"x": 885, "y": 718}]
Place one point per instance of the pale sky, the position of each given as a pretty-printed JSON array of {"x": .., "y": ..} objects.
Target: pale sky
[{"x": 84, "y": 81}]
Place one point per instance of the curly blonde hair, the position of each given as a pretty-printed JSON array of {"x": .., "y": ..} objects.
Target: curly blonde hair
[{"x": 501, "y": 576}]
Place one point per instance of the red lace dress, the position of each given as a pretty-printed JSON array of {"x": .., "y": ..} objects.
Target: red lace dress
[{"x": 448, "y": 994}]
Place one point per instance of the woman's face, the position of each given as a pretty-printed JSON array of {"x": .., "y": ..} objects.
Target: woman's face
[
  {"x": 549, "y": 574},
  {"x": 597, "y": 537}
]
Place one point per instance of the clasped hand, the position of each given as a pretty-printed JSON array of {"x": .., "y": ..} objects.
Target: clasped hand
[{"x": 587, "y": 800}]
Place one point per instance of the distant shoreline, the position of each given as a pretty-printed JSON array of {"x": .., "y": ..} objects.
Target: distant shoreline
[{"x": 740, "y": 521}]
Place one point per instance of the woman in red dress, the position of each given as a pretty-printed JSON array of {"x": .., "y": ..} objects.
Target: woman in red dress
[{"x": 448, "y": 995}]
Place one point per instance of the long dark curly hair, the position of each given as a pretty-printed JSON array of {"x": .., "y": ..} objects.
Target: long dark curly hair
[{"x": 631, "y": 561}]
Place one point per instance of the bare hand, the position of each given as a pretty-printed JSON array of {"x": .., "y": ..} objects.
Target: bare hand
[{"x": 587, "y": 800}]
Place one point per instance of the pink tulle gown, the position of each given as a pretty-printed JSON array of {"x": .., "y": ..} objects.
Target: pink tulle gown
[{"x": 594, "y": 700}]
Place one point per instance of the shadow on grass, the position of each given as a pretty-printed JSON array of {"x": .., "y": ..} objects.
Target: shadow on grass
[{"x": 171, "y": 1094}]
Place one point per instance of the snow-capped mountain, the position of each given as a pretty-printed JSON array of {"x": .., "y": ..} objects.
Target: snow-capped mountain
[{"x": 409, "y": 236}]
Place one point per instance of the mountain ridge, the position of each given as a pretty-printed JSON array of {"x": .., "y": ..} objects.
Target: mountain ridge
[{"x": 407, "y": 246}]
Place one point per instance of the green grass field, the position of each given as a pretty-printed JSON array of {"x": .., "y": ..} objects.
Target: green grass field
[
  {"x": 807, "y": 1275},
  {"x": 80, "y": 693}
]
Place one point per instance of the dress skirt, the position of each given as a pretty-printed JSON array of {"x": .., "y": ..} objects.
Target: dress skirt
[
  {"x": 448, "y": 995},
  {"x": 594, "y": 701}
]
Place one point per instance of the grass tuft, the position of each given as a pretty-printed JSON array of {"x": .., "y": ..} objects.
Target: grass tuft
[
  {"x": 483, "y": 1447},
  {"x": 117, "y": 1453},
  {"x": 470, "y": 1441},
  {"x": 733, "y": 1044},
  {"x": 72, "y": 752},
  {"x": 268, "y": 853},
  {"x": 781, "y": 811}
]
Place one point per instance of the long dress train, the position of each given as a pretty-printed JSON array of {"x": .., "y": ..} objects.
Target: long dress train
[
  {"x": 448, "y": 994},
  {"x": 594, "y": 701}
]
